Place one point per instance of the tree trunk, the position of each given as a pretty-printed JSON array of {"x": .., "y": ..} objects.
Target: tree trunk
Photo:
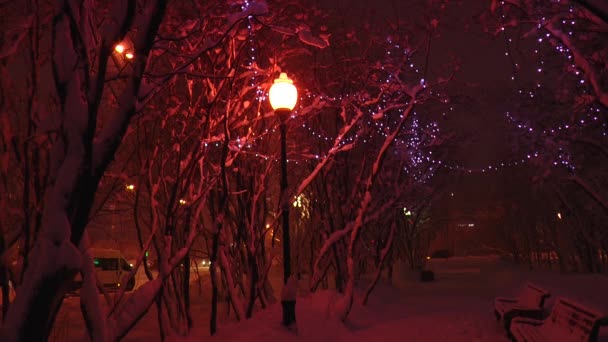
[
  {"x": 159, "y": 317},
  {"x": 383, "y": 255},
  {"x": 32, "y": 314},
  {"x": 186, "y": 289},
  {"x": 4, "y": 279},
  {"x": 90, "y": 305},
  {"x": 5, "y": 290},
  {"x": 339, "y": 277},
  {"x": 214, "y": 289},
  {"x": 218, "y": 218},
  {"x": 253, "y": 283},
  {"x": 231, "y": 286}
]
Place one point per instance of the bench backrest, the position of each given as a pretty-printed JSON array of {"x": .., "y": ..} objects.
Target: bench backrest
[
  {"x": 574, "y": 320},
  {"x": 532, "y": 296}
]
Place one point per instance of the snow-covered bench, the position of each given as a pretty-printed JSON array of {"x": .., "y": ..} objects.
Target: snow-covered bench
[
  {"x": 568, "y": 321},
  {"x": 529, "y": 304}
]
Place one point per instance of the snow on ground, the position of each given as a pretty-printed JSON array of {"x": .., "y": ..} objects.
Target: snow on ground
[{"x": 457, "y": 306}]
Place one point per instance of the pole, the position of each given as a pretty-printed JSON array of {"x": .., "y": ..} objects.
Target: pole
[{"x": 285, "y": 201}]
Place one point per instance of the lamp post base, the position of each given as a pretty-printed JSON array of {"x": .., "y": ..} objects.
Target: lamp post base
[
  {"x": 289, "y": 312},
  {"x": 289, "y": 295}
]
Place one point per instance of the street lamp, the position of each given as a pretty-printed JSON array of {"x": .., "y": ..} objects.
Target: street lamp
[{"x": 283, "y": 96}]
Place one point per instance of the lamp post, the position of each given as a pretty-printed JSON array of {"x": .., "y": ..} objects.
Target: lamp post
[{"x": 283, "y": 96}]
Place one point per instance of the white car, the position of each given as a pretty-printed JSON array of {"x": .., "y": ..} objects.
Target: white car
[{"x": 111, "y": 267}]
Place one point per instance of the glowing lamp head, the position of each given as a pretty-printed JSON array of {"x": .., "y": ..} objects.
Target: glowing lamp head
[
  {"x": 283, "y": 94},
  {"x": 119, "y": 48},
  {"x": 129, "y": 55}
]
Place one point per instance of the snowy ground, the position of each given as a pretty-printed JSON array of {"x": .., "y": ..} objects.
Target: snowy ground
[{"x": 455, "y": 307}]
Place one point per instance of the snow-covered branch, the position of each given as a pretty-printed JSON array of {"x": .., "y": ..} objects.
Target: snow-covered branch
[
  {"x": 581, "y": 62},
  {"x": 112, "y": 133},
  {"x": 337, "y": 147}
]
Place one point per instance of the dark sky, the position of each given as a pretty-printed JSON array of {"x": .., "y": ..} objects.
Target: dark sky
[
  {"x": 478, "y": 121},
  {"x": 483, "y": 83}
]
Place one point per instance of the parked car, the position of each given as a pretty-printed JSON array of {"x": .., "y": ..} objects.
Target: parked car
[{"x": 110, "y": 267}]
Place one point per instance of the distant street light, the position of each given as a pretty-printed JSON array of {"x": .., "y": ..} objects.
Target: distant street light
[
  {"x": 119, "y": 48},
  {"x": 283, "y": 96},
  {"x": 559, "y": 215}
]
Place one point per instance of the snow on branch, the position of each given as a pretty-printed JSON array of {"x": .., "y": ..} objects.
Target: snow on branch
[
  {"x": 151, "y": 86},
  {"x": 332, "y": 152},
  {"x": 581, "y": 62},
  {"x": 125, "y": 316},
  {"x": 306, "y": 37},
  {"x": 365, "y": 202},
  {"x": 111, "y": 134}
]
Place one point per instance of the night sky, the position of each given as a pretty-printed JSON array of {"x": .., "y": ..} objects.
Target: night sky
[
  {"x": 478, "y": 121},
  {"x": 483, "y": 135}
]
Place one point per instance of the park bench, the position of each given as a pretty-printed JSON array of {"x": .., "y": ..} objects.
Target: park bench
[
  {"x": 529, "y": 304},
  {"x": 568, "y": 321}
]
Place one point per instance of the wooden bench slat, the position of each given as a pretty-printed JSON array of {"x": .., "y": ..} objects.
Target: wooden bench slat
[
  {"x": 527, "y": 332},
  {"x": 568, "y": 321}
]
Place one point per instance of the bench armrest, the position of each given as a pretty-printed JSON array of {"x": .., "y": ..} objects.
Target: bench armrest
[
  {"x": 504, "y": 299},
  {"x": 525, "y": 320}
]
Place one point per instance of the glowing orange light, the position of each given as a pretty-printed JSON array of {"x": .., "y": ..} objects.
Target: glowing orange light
[
  {"x": 119, "y": 48},
  {"x": 283, "y": 94},
  {"x": 129, "y": 55}
]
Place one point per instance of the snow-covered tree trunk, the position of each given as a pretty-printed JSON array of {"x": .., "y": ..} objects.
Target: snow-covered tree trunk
[
  {"x": 235, "y": 298},
  {"x": 124, "y": 315},
  {"x": 255, "y": 245},
  {"x": 90, "y": 305},
  {"x": 77, "y": 162},
  {"x": 365, "y": 202}
]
